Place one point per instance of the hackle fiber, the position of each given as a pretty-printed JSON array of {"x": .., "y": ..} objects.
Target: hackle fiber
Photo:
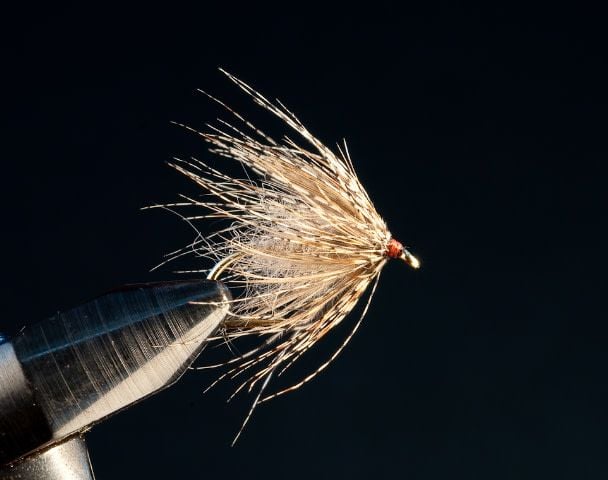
[{"x": 302, "y": 243}]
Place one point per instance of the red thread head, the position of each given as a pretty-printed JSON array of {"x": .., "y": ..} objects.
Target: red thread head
[{"x": 394, "y": 249}]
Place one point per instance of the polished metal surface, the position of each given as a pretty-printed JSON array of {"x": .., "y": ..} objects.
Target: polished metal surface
[
  {"x": 63, "y": 375},
  {"x": 66, "y": 461},
  {"x": 23, "y": 426}
]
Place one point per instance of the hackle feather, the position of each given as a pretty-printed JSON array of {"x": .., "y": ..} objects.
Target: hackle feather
[{"x": 302, "y": 244}]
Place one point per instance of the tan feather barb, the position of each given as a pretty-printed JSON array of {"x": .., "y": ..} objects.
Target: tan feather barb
[{"x": 303, "y": 244}]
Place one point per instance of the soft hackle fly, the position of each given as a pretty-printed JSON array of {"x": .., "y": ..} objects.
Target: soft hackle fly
[{"x": 303, "y": 242}]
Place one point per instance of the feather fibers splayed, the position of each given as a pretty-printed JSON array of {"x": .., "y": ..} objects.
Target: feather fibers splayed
[{"x": 302, "y": 244}]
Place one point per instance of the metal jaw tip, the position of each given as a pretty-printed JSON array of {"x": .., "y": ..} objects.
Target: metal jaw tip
[{"x": 62, "y": 375}]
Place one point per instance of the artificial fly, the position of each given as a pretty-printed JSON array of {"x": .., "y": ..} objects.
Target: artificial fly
[{"x": 303, "y": 242}]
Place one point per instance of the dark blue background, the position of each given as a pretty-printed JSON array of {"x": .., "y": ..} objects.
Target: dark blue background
[{"x": 480, "y": 133}]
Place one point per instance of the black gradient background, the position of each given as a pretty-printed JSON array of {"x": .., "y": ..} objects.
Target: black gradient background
[{"x": 480, "y": 133}]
